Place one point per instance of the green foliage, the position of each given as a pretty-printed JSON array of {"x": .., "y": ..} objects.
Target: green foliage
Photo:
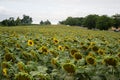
[
  {"x": 12, "y": 22},
  {"x": 90, "y": 21},
  {"x": 93, "y": 21},
  {"x": 47, "y": 22},
  {"x": 103, "y": 22},
  {"x": 116, "y": 20},
  {"x": 26, "y": 20}
]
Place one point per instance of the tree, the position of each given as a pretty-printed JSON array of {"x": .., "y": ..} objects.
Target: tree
[
  {"x": 26, "y": 19},
  {"x": 116, "y": 20},
  {"x": 90, "y": 21},
  {"x": 18, "y": 21},
  {"x": 41, "y": 22},
  {"x": 103, "y": 22},
  {"x": 47, "y": 22}
]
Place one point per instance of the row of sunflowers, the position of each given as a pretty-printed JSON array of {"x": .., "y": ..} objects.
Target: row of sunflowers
[{"x": 58, "y": 53}]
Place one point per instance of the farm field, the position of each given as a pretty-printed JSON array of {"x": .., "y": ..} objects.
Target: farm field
[{"x": 58, "y": 53}]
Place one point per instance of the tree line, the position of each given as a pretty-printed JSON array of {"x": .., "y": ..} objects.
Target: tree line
[
  {"x": 26, "y": 20},
  {"x": 94, "y": 21},
  {"x": 15, "y": 22}
]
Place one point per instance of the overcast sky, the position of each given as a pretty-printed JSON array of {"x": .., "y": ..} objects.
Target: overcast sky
[{"x": 57, "y": 10}]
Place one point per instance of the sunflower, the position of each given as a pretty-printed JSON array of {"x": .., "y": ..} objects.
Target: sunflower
[
  {"x": 4, "y": 71},
  {"x": 95, "y": 48},
  {"x": 81, "y": 43},
  {"x": 92, "y": 43},
  {"x": 30, "y": 43},
  {"x": 60, "y": 48},
  {"x": 73, "y": 51},
  {"x": 55, "y": 54},
  {"x": 54, "y": 61},
  {"x": 9, "y": 57},
  {"x": 66, "y": 47},
  {"x": 84, "y": 47},
  {"x": 119, "y": 55},
  {"x": 90, "y": 60},
  {"x": 70, "y": 68},
  {"x": 5, "y": 64},
  {"x": 110, "y": 61},
  {"x": 77, "y": 56},
  {"x": 55, "y": 40},
  {"x": 101, "y": 52},
  {"x": 20, "y": 66},
  {"x": 91, "y": 54},
  {"x": 43, "y": 49}
]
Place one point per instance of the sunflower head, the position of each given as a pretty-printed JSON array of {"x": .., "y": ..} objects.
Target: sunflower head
[
  {"x": 101, "y": 52},
  {"x": 92, "y": 43},
  {"x": 21, "y": 66},
  {"x": 43, "y": 49},
  {"x": 23, "y": 76},
  {"x": 5, "y": 64},
  {"x": 73, "y": 51},
  {"x": 33, "y": 53},
  {"x": 118, "y": 55},
  {"x": 95, "y": 48},
  {"x": 54, "y": 61},
  {"x": 66, "y": 47},
  {"x": 30, "y": 43},
  {"x": 55, "y": 40},
  {"x": 9, "y": 57},
  {"x": 90, "y": 60},
  {"x": 54, "y": 54},
  {"x": 110, "y": 61},
  {"x": 91, "y": 54},
  {"x": 81, "y": 43},
  {"x": 84, "y": 47},
  {"x": 77, "y": 56},
  {"x": 4, "y": 71},
  {"x": 60, "y": 48},
  {"x": 68, "y": 67}
]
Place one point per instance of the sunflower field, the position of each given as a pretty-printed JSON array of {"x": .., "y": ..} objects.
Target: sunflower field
[{"x": 58, "y": 53}]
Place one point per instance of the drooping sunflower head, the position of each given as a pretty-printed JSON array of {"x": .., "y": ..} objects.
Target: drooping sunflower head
[
  {"x": 110, "y": 61},
  {"x": 33, "y": 53},
  {"x": 84, "y": 47},
  {"x": 5, "y": 64},
  {"x": 118, "y": 55},
  {"x": 68, "y": 67},
  {"x": 92, "y": 43},
  {"x": 54, "y": 61},
  {"x": 77, "y": 56},
  {"x": 95, "y": 48},
  {"x": 54, "y": 53},
  {"x": 23, "y": 76},
  {"x": 21, "y": 66},
  {"x": 73, "y": 51},
  {"x": 9, "y": 57},
  {"x": 66, "y": 47},
  {"x": 101, "y": 52},
  {"x": 30, "y": 43},
  {"x": 90, "y": 60},
  {"x": 81, "y": 43}
]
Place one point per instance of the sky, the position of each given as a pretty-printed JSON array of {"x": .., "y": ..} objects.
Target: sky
[{"x": 57, "y": 10}]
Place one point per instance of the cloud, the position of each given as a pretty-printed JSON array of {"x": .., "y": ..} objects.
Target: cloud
[{"x": 56, "y": 10}]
